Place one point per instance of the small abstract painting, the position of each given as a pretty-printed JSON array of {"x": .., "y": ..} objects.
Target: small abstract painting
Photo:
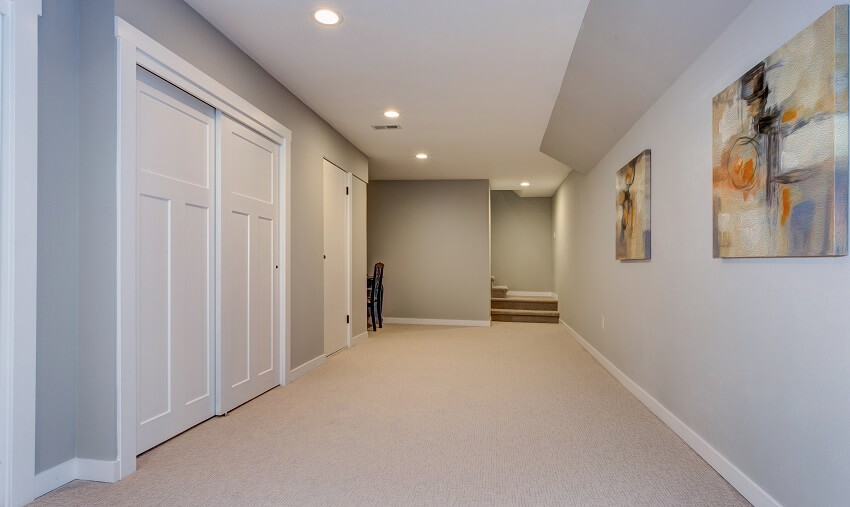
[
  {"x": 780, "y": 150},
  {"x": 633, "y": 209}
]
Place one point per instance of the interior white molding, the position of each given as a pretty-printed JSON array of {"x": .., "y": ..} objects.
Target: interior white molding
[
  {"x": 437, "y": 322},
  {"x": 738, "y": 479},
  {"x": 359, "y": 338},
  {"x": 349, "y": 248},
  {"x": 18, "y": 247},
  {"x": 136, "y": 48},
  {"x": 305, "y": 368},
  {"x": 74, "y": 469}
]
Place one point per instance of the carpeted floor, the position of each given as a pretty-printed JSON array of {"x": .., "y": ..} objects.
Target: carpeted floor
[{"x": 512, "y": 414}]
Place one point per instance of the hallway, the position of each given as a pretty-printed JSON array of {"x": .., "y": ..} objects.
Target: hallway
[{"x": 510, "y": 414}]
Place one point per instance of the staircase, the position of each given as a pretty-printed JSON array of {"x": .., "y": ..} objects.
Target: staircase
[{"x": 504, "y": 308}]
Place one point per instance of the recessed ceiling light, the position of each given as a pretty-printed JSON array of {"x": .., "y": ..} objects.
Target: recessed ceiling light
[
  {"x": 421, "y": 156},
  {"x": 327, "y": 17},
  {"x": 391, "y": 114},
  {"x": 524, "y": 184}
]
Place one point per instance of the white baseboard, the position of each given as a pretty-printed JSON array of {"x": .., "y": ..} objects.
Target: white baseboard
[
  {"x": 436, "y": 322},
  {"x": 738, "y": 479},
  {"x": 305, "y": 368},
  {"x": 96, "y": 470},
  {"x": 359, "y": 338},
  {"x": 52, "y": 478},
  {"x": 525, "y": 293},
  {"x": 76, "y": 468}
]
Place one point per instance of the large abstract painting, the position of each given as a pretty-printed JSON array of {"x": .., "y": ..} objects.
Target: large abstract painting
[
  {"x": 780, "y": 150},
  {"x": 633, "y": 209}
]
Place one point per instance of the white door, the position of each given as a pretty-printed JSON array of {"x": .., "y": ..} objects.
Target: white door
[
  {"x": 249, "y": 264},
  {"x": 335, "y": 259},
  {"x": 359, "y": 267},
  {"x": 175, "y": 175}
]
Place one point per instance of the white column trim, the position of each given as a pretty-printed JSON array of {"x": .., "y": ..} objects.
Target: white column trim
[{"x": 18, "y": 247}]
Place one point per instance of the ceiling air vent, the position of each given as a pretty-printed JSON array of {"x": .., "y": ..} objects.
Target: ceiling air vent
[{"x": 386, "y": 127}]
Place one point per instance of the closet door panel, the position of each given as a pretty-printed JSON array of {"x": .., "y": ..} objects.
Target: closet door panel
[
  {"x": 249, "y": 267},
  {"x": 175, "y": 306}
]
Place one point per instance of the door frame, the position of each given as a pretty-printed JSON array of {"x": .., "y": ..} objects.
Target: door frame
[
  {"x": 349, "y": 253},
  {"x": 18, "y": 247},
  {"x": 137, "y": 49}
]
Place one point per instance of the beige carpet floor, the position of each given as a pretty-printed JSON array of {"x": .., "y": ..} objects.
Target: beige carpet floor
[{"x": 420, "y": 415}]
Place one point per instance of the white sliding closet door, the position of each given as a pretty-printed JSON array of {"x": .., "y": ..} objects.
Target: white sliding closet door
[
  {"x": 175, "y": 175},
  {"x": 335, "y": 258},
  {"x": 249, "y": 264}
]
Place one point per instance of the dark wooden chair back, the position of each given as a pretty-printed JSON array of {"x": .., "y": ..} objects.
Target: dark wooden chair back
[
  {"x": 378, "y": 276},
  {"x": 374, "y": 296}
]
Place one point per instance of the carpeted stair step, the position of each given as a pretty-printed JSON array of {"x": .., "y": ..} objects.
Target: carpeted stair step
[
  {"x": 498, "y": 291},
  {"x": 524, "y": 303},
  {"x": 541, "y": 316}
]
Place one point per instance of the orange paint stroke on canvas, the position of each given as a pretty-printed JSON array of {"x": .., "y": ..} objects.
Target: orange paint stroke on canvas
[{"x": 786, "y": 204}]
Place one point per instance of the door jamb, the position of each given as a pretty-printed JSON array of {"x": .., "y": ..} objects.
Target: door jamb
[
  {"x": 349, "y": 245},
  {"x": 136, "y": 48}
]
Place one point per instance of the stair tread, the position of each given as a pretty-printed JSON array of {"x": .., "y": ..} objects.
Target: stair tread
[
  {"x": 499, "y": 287},
  {"x": 540, "y": 313}
]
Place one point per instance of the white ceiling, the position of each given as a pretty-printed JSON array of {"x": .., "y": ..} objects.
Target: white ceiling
[
  {"x": 627, "y": 54},
  {"x": 474, "y": 80}
]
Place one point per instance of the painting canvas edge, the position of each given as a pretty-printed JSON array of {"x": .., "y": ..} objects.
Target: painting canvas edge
[{"x": 842, "y": 171}]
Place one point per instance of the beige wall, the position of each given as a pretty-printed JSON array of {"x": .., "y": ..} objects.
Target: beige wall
[
  {"x": 752, "y": 354},
  {"x": 522, "y": 241},
  {"x": 433, "y": 237}
]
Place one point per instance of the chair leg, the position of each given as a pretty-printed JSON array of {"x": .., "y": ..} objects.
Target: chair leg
[
  {"x": 381, "y": 307},
  {"x": 372, "y": 315}
]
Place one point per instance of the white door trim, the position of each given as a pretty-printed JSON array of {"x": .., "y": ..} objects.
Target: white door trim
[
  {"x": 349, "y": 248},
  {"x": 136, "y": 48},
  {"x": 18, "y": 249}
]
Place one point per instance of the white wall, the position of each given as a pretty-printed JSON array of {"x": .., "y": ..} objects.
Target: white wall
[{"x": 752, "y": 354}]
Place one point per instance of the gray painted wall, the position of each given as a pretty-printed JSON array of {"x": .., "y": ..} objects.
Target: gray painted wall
[
  {"x": 96, "y": 348},
  {"x": 522, "y": 241},
  {"x": 434, "y": 238},
  {"x": 752, "y": 354},
  {"x": 58, "y": 170}
]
